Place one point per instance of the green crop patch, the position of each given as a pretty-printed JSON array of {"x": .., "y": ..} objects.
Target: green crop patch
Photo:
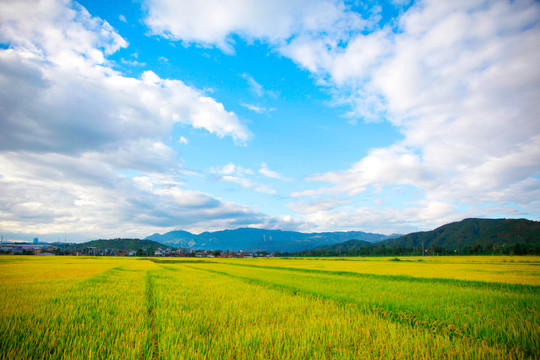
[{"x": 123, "y": 308}]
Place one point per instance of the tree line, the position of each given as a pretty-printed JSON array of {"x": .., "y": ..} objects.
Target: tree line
[{"x": 475, "y": 249}]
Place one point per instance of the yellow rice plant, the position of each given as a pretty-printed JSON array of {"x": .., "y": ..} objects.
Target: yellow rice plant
[
  {"x": 503, "y": 314},
  {"x": 204, "y": 314},
  {"x": 70, "y": 308},
  {"x": 358, "y": 308},
  {"x": 507, "y": 269}
]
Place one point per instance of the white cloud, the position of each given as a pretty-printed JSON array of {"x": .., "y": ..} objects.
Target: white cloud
[
  {"x": 255, "y": 87},
  {"x": 214, "y": 22},
  {"x": 239, "y": 175},
  {"x": 248, "y": 184},
  {"x": 424, "y": 216},
  {"x": 72, "y": 127},
  {"x": 384, "y": 166},
  {"x": 59, "y": 94},
  {"x": 228, "y": 169},
  {"x": 317, "y": 206},
  {"x": 257, "y": 109},
  {"x": 122, "y": 18},
  {"x": 460, "y": 80},
  {"x": 183, "y": 140},
  {"x": 264, "y": 170},
  {"x": 231, "y": 169},
  {"x": 85, "y": 198}
]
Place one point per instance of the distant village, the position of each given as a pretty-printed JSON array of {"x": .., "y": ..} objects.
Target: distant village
[{"x": 45, "y": 249}]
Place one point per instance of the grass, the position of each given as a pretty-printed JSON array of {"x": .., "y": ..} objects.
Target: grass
[{"x": 122, "y": 308}]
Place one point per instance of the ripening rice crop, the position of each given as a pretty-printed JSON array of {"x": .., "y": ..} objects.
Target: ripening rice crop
[
  {"x": 125, "y": 308},
  {"x": 507, "y": 269},
  {"x": 77, "y": 309},
  {"x": 504, "y": 314}
]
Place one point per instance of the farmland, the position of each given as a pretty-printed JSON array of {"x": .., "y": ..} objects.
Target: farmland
[{"x": 270, "y": 308}]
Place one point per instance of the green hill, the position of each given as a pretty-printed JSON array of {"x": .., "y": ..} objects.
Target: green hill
[
  {"x": 348, "y": 248},
  {"x": 121, "y": 244},
  {"x": 346, "y": 245},
  {"x": 469, "y": 232}
]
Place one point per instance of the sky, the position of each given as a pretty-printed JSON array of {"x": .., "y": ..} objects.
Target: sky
[{"x": 128, "y": 118}]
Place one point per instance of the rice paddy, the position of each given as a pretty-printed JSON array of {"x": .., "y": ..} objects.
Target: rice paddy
[{"x": 266, "y": 308}]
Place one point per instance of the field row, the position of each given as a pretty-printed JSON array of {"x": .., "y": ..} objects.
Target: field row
[{"x": 504, "y": 269}]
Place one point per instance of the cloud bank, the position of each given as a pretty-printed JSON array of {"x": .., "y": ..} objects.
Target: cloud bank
[
  {"x": 83, "y": 146},
  {"x": 73, "y": 127},
  {"x": 460, "y": 80}
]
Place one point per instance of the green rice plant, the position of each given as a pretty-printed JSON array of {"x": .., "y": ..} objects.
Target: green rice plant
[
  {"x": 124, "y": 308},
  {"x": 208, "y": 315},
  {"x": 96, "y": 315},
  {"x": 499, "y": 315},
  {"x": 501, "y": 269}
]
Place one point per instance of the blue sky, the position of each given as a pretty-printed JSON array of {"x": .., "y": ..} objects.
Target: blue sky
[{"x": 128, "y": 118}]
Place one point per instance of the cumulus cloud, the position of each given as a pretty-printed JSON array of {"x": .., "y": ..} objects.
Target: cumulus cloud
[
  {"x": 60, "y": 94},
  {"x": 72, "y": 126},
  {"x": 423, "y": 216},
  {"x": 213, "y": 23},
  {"x": 57, "y": 193},
  {"x": 108, "y": 107},
  {"x": 384, "y": 166},
  {"x": 460, "y": 80}
]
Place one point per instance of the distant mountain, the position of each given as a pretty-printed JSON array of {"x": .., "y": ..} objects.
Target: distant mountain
[
  {"x": 249, "y": 239},
  {"x": 121, "y": 244},
  {"x": 177, "y": 238},
  {"x": 473, "y": 231}
]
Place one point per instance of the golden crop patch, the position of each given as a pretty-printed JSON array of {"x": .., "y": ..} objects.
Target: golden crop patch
[{"x": 358, "y": 308}]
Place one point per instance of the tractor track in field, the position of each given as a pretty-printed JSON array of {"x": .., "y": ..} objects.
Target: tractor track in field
[{"x": 152, "y": 340}]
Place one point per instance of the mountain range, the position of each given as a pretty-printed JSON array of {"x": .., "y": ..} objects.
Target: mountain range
[
  {"x": 511, "y": 235},
  {"x": 473, "y": 231},
  {"x": 250, "y": 239},
  {"x": 456, "y": 235}
]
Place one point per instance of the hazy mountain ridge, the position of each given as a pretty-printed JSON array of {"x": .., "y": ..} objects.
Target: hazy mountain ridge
[
  {"x": 455, "y": 235},
  {"x": 251, "y": 239}
]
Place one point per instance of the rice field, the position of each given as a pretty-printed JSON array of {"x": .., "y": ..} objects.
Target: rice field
[{"x": 270, "y": 308}]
